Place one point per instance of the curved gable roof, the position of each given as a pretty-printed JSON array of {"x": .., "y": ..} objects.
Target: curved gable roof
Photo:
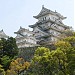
[{"x": 45, "y": 11}]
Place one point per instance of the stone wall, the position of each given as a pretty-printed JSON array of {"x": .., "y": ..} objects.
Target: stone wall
[{"x": 27, "y": 53}]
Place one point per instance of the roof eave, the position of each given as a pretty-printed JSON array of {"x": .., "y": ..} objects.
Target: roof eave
[
  {"x": 35, "y": 17},
  {"x": 64, "y": 18},
  {"x": 41, "y": 15},
  {"x": 32, "y": 26}
]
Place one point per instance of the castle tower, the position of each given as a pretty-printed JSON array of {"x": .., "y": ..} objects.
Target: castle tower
[
  {"x": 3, "y": 35},
  {"x": 25, "y": 38},
  {"x": 48, "y": 27}
]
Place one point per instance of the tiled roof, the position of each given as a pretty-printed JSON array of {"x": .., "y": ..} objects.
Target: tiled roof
[
  {"x": 45, "y": 11},
  {"x": 2, "y": 34}
]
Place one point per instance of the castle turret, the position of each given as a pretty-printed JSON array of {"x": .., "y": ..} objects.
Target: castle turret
[
  {"x": 25, "y": 38},
  {"x": 3, "y": 35}
]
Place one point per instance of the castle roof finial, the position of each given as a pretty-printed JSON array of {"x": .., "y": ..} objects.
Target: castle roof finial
[
  {"x": 2, "y": 30},
  {"x": 42, "y": 6},
  {"x": 20, "y": 27},
  {"x": 55, "y": 10}
]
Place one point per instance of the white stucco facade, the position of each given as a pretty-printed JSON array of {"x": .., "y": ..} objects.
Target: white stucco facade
[
  {"x": 46, "y": 30},
  {"x": 25, "y": 38},
  {"x": 3, "y": 35},
  {"x": 49, "y": 26}
]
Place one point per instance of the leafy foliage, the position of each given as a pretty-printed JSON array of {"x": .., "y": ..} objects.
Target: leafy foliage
[
  {"x": 5, "y": 61},
  {"x": 60, "y": 61},
  {"x": 17, "y": 66},
  {"x": 8, "y": 50},
  {"x": 2, "y": 72}
]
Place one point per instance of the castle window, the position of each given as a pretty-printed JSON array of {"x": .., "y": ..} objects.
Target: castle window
[
  {"x": 53, "y": 18},
  {"x": 37, "y": 32},
  {"x": 45, "y": 18}
]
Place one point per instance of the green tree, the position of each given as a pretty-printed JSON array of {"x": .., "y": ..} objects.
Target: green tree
[
  {"x": 8, "y": 50},
  {"x": 17, "y": 66},
  {"x": 71, "y": 40},
  {"x": 54, "y": 62},
  {"x": 5, "y": 61},
  {"x": 60, "y": 61},
  {"x": 2, "y": 72},
  {"x": 68, "y": 46},
  {"x": 36, "y": 67},
  {"x": 1, "y": 48},
  {"x": 8, "y": 47},
  {"x": 11, "y": 47}
]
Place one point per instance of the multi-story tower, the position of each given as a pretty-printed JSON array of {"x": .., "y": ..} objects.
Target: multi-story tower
[
  {"x": 49, "y": 26},
  {"x": 25, "y": 38},
  {"x": 3, "y": 35}
]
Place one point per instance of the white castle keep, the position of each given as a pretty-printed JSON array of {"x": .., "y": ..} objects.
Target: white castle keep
[
  {"x": 46, "y": 30},
  {"x": 49, "y": 26}
]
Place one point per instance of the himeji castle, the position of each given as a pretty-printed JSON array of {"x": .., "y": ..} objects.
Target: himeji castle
[
  {"x": 46, "y": 30},
  {"x": 48, "y": 27}
]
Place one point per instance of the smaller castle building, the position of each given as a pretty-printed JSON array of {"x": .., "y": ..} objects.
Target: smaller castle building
[
  {"x": 25, "y": 38},
  {"x": 3, "y": 35}
]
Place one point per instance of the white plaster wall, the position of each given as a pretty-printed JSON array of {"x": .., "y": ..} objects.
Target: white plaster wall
[
  {"x": 54, "y": 39},
  {"x": 41, "y": 18},
  {"x": 53, "y": 17}
]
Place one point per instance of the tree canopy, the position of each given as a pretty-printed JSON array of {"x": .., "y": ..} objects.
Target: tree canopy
[
  {"x": 60, "y": 61},
  {"x": 8, "y": 50},
  {"x": 17, "y": 66}
]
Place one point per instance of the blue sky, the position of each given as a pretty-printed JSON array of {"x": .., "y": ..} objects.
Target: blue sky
[{"x": 16, "y": 13}]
